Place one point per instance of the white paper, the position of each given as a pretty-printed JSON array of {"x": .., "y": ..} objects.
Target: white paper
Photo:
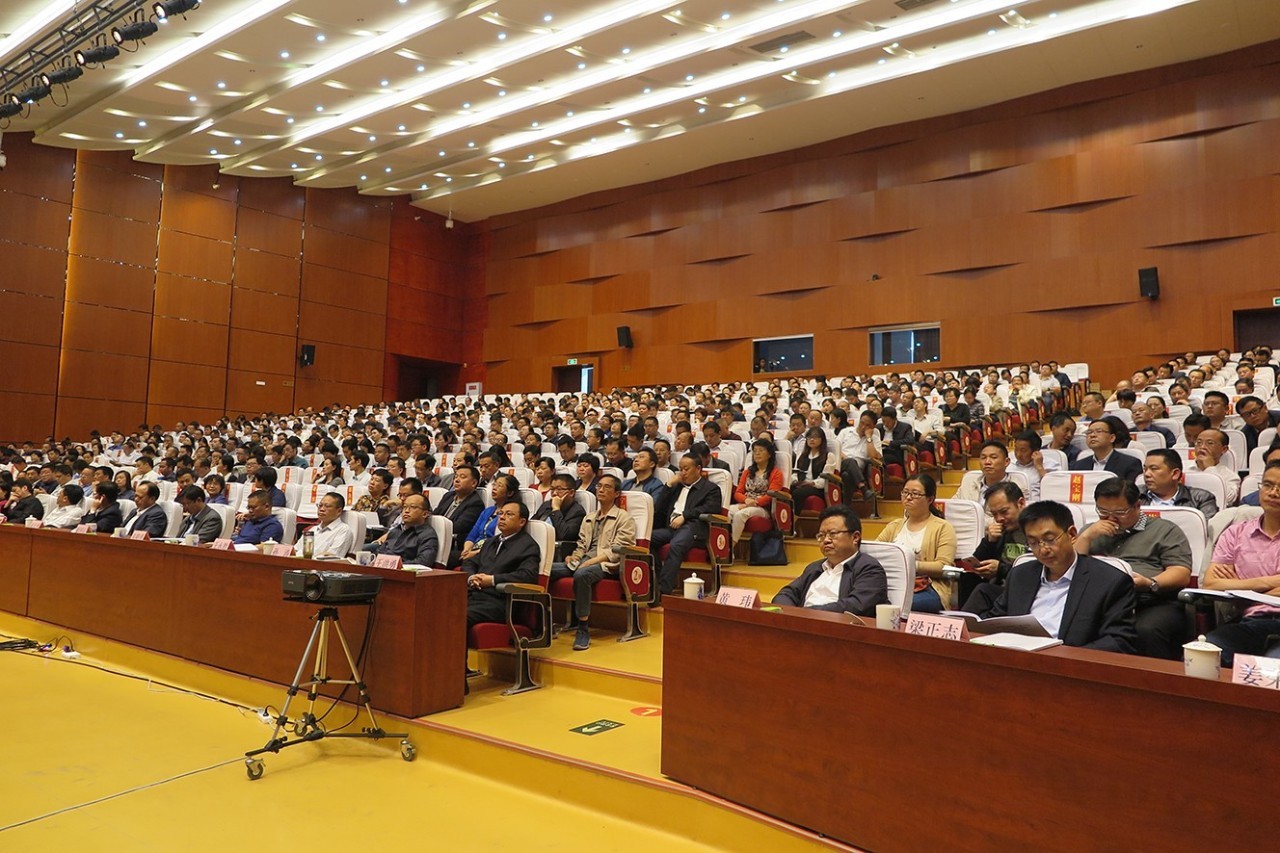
[
  {"x": 1016, "y": 641},
  {"x": 1259, "y": 597}
]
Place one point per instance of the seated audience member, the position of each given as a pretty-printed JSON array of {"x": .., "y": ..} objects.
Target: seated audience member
[
  {"x": 265, "y": 479},
  {"x": 259, "y": 524},
  {"x": 642, "y": 477},
  {"x": 1029, "y": 461},
  {"x": 23, "y": 503},
  {"x": 149, "y": 517},
  {"x": 1256, "y": 419},
  {"x": 588, "y": 468},
  {"x": 1002, "y": 543},
  {"x": 1247, "y": 557},
  {"x": 1162, "y": 477},
  {"x": 67, "y": 511},
  {"x": 857, "y": 447},
  {"x": 107, "y": 515},
  {"x": 330, "y": 473},
  {"x": 379, "y": 496},
  {"x": 1063, "y": 428},
  {"x": 1271, "y": 455},
  {"x": 615, "y": 455},
  {"x": 510, "y": 557},
  {"x": 1143, "y": 422},
  {"x": 812, "y": 468},
  {"x": 845, "y": 580},
  {"x": 563, "y": 512},
  {"x": 894, "y": 435},
  {"x": 333, "y": 537},
  {"x": 609, "y": 528},
  {"x": 1103, "y": 437},
  {"x": 413, "y": 540},
  {"x": 1215, "y": 407},
  {"x": 1192, "y": 426},
  {"x": 462, "y": 504},
  {"x": 487, "y": 464},
  {"x": 505, "y": 488},
  {"x": 677, "y": 518},
  {"x": 1159, "y": 557},
  {"x": 955, "y": 414},
  {"x": 993, "y": 459},
  {"x": 202, "y": 521},
  {"x": 751, "y": 498},
  {"x": 359, "y": 468},
  {"x": 662, "y": 449},
  {"x": 394, "y": 517},
  {"x": 289, "y": 455},
  {"x": 1092, "y": 407},
  {"x": 1211, "y": 446},
  {"x": 124, "y": 483},
  {"x": 923, "y": 531},
  {"x": 1101, "y": 597},
  {"x": 568, "y": 450},
  {"x": 215, "y": 487}
]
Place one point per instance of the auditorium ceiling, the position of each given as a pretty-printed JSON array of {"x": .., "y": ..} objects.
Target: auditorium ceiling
[{"x": 486, "y": 107}]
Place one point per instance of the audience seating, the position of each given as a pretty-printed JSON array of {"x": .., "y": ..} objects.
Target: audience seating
[
  {"x": 289, "y": 524},
  {"x": 899, "y": 569}
]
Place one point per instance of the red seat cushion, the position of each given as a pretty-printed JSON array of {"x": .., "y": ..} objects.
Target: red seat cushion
[
  {"x": 697, "y": 554},
  {"x": 493, "y": 635},
  {"x": 813, "y": 504},
  {"x": 562, "y": 588},
  {"x": 756, "y": 524},
  {"x": 609, "y": 589}
]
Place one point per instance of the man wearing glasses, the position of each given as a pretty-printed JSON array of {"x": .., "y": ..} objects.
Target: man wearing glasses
[
  {"x": 562, "y": 510},
  {"x": 846, "y": 580},
  {"x": 1078, "y": 599},
  {"x": 1101, "y": 436},
  {"x": 1159, "y": 558},
  {"x": 1256, "y": 419}
]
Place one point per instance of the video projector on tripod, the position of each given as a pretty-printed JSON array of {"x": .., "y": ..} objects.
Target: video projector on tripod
[{"x": 330, "y": 587}]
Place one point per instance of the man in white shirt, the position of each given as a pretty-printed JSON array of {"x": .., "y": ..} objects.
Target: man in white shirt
[
  {"x": 67, "y": 513},
  {"x": 333, "y": 538},
  {"x": 856, "y": 445},
  {"x": 1211, "y": 446},
  {"x": 993, "y": 457},
  {"x": 846, "y": 580},
  {"x": 1030, "y": 462}
]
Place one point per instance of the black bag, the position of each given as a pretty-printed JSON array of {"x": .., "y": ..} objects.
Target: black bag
[{"x": 767, "y": 549}]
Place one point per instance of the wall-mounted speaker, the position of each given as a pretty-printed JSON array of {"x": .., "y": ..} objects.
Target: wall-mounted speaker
[
  {"x": 624, "y": 337},
  {"x": 1149, "y": 282},
  {"x": 308, "y": 356}
]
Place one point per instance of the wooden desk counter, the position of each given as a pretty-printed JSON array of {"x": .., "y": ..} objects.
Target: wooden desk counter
[
  {"x": 225, "y": 609},
  {"x": 890, "y": 741}
]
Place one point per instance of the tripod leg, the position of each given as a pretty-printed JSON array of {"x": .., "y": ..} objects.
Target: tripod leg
[
  {"x": 294, "y": 687},
  {"x": 319, "y": 675},
  {"x": 355, "y": 675}
]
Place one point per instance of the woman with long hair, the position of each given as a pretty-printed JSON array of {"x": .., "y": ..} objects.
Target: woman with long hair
[
  {"x": 924, "y": 531},
  {"x": 812, "y": 467},
  {"x": 751, "y": 498}
]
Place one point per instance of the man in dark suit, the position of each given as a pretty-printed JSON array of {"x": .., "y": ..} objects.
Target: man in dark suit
[
  {"x": 202, "y": 520},
  {"x": 1078, "y": 599},
  {"x": 23, "y": 503},
  {"x": 414, "y": 541},
  {"x": 510, "y": 557},
  {"x": 108, "y": 516},
  {"x": 846, "y": 579},
  {"x": 894, "y": 435},
  {"x": 563, "y": 512},
  {"x": 702, "y": 450},
  {"x": 462, "y": 505},
  {"x": 148, "y": 517},
  {"x": 1101, "y": 437},
  {"x": 677, "y": 518}
]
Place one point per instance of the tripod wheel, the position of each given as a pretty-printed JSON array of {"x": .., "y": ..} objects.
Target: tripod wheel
[
  {"x": 253, "y": 768},
  {"x": 407, "y": 750}
]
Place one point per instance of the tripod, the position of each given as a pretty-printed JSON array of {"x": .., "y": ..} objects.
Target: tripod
[{"x": 307, "y": 727}]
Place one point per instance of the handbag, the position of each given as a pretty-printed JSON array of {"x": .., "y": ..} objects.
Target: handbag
[{"x": 767, "y": 549}]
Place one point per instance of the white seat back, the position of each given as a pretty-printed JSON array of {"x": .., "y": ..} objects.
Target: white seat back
[
  {"x": 586, "y": 500},
  {"x": 545, "y": 535},
  {"x": 1149, "y": 440},
  {"x": 444, "y": 536},
  {"x": 228, "y": 515},
  {"x": 969, "y": 521},
  {"x": 435, "y": 495},
  {"x": 1192, "y": 523},
  {"x": 639, "y": 506},
  {"x": 899, "y": 570},
  {"x": 168, "y": 490},
  {"x": 128, "y": 508},
  {"x": 1211, "y": 483},
  {"x": 288, "y": 521},
  {"x": 1239, "y": 449},
  {"x": 722, "y": 479},
  {"x": 354, "y": 520},
  {"x": 174, "y": 513}
]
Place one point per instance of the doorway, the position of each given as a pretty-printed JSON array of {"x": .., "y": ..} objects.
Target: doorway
[
  {"x": 1257, "y": 326},
  {"x": 574, "y": 379}
]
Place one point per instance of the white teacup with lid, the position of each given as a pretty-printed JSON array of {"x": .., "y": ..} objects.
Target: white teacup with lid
[{"x": 1202, "y": 659}]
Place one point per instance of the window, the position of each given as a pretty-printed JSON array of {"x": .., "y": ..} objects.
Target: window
[
  {"x": 905, "y": 344},
  {"x": 783, "y": 355}
]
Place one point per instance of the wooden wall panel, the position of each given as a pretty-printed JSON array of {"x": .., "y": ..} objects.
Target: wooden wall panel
[
  {"x": 188, "y": 342},
  {"x": 104, "y": 376},
  {"x": 41, "y": 317},
  {"x": 344, "y": 252},
  {"x": 29, "y": 368},
  {"x": 267, "y": 232},
  {"x": 196, "y": 213},
  {"x": 264, "y": 312},
  {"x": 338, "y": 287},
  {"x": 192, "y": 299},
  {"x": 96, "y": 282},
  {"x": 27, "y": 417},
  {"x": 76, "y": 416},
  {"x": 246, "y": 396},
  {"x": 98, "y": 329},
  {"x": 262, "y": 353},
  {"x": 267, "y": 273},
  {"x": 128, "y": 241},
  {"x": 110, "y": 193},
  {"x": 40, "y": 271},
  {"x": 177, "y": 384},
  {"x": 276, "y": 196},
  {"x": 194, "y": 257},
  {"x": 33, "y": 221}
]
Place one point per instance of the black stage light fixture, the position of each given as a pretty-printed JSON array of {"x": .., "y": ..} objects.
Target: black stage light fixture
[
  {"x": 9, "y": 109},
  {"x": 61, "y": 76},
  {"x": 30, "y": 95},
  {"x": 97, "y": 54},
  {"x": 137, "y": 31},
  {"x": 168, "y": 8}
]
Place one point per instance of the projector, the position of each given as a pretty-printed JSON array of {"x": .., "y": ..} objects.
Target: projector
[{"x": 330, "y": 587}]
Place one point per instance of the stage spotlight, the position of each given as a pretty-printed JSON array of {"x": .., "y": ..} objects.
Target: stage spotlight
[
  {"x": 168, "y": 8},
  {"x": 30, "y": 95},
  {"x": 97, "y": 54},
  {"x": 62, "y": 76},
  {"x": 9, "y": 109},
  {"x": 137, "y": 31}
]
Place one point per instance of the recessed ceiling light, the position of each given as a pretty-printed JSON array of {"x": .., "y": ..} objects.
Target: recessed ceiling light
[
  {"x": 502, "y": 36},
  {"x": 191, "y": 98},
  {"x": 625, "y": 51},
  {"x": 400, "y": 128},
  {"x": 502, "y": 93},
  {"x": 221, "y": 85},
  {"x": 837, "y": 34},
  {"x": 319, "y": 108},
  {"x": 388, "y": 169},
  {"x": 373, "y": 138},
  {"x": 546, "y": 19},
  {"x": 235, "y": 142},
  {"x": 471, "y": 145},
  {"x": 284, "y": 54},
  {"x": 289, "y": 120},
  {"x": 702, "y": 109},
  {"x": 441, "y": 153},
  {"x": 293, "y": 165},
  {"x": 142, "y": 124},
  {"x": 582, "y": 65},
  {"x": 688, "y": 78},
  {"x": 647, "y": 90},
  {"x": 119, "y": 135},
  {"x": 319, "y": 156},
  {"x": 384, "y": 83},
  {"x": 881, "y": 61},
  {"x": 448, "y": 180},
  {"x": 213, "y": 150},
  {"x": 783, "y": 49},
  {"x": 320, "y": 37},
  {"x": 364, "y": 177},
  {"x": 535, "y": 124},
  {"x": 570, "y": 113},
  {"x": 423, "y": 187},
  {"x": 991, "y": 32},
  {"x": 467, "y": 105},
  {"x": 421, "y": 68}
]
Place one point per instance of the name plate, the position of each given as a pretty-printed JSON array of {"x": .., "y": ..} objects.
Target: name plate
[
  {"x": 932, "y": 625},
  {"x": 736, "y": 596},
  {"x": 1256, "y": 672},
  {"x": 222, "y": 545},
  {"x": 34, "y": 523},
  {"x": 140, "y": 536},
  {"x": 386, "y": 561},
  {"x": 85, "y": 528},
  {"x": 282, "y": 551}
]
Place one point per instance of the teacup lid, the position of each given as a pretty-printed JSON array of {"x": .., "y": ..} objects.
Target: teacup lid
[{"x": 1200, "y": 644}]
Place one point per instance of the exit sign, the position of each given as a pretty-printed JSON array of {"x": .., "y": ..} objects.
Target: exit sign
[
  {"x": 573, "y": 361},
  {"x": 1276, "y": 301}
]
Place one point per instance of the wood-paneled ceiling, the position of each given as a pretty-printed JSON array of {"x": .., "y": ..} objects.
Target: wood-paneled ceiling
[{"x": 481, "y": 107}]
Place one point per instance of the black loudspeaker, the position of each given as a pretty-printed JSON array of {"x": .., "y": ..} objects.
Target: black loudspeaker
[
  {"x": 1149, "y": 282},
  {"x": 624, "y": 337},
  {"x": 308, "y": 356}
]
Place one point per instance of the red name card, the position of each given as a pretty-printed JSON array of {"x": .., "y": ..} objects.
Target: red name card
[
  {"x": 1256, "y": 672},
  {"x": 34, "y": 523},
  {"x": 140, "y": 536},
  {"x": 386, "y": 561},
  {"x": 943, "y": 627},
  {"x": 736, "y": 596},
  {"x": 282, "y": 551},
  {"x": 85, "y": 528},
  {"x": 222, "y": 545}
]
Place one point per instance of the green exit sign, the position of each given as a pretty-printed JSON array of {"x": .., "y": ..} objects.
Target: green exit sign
[
  {"x": 573, "y": 361},
  {"x": 1276, "y": 301}
]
